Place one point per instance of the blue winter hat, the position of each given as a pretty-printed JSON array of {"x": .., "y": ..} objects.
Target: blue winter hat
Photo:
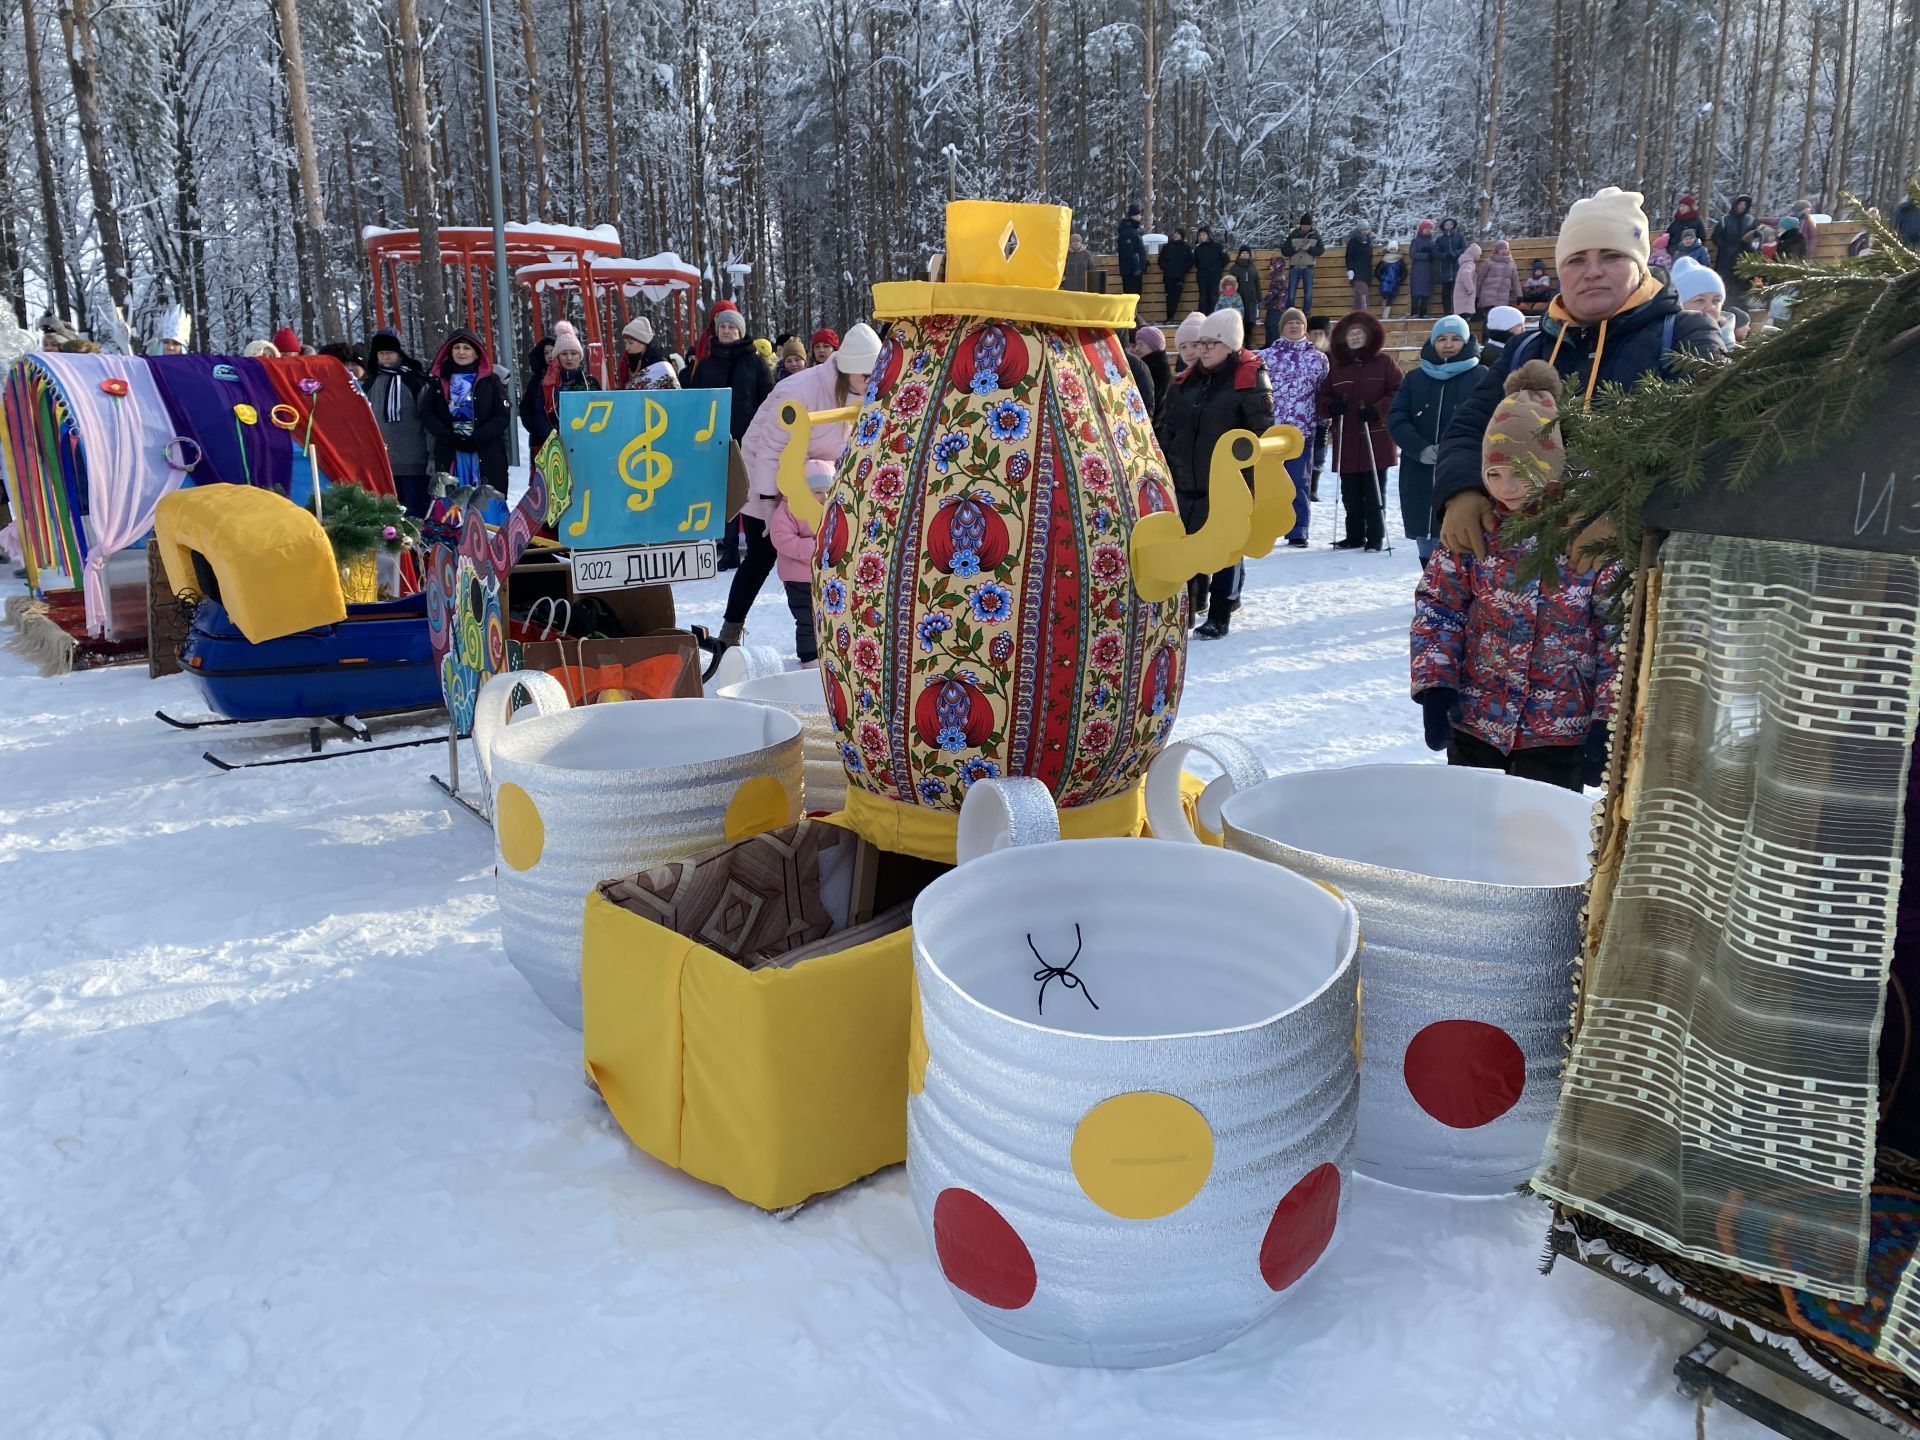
[{"x": 1450, "y": 325}]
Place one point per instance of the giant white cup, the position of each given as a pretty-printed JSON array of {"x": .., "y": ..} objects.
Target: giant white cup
[
  {"x": 799, "y": 693},
  {"x": 1469, "y": 886},
  {"x": 585, "y": 795},
  {"x": 1131, "y": 1085}
]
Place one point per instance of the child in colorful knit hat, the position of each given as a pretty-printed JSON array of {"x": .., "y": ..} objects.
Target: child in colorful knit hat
[{"x": 1510, "y": 676}]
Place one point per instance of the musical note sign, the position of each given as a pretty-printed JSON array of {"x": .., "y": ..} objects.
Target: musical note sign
[{"x": 658, "y": 458}]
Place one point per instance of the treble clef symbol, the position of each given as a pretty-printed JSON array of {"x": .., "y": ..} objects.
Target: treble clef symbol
[{"x": 654, "y": 469}]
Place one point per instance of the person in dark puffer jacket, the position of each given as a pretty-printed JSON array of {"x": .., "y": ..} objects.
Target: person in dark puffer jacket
[
  {"x": 1613, "y": 322},
  {"x": 1226, "y": 390},
  {"x": 1361, "y": 383},
  {"x": 1428, "y": 396}
]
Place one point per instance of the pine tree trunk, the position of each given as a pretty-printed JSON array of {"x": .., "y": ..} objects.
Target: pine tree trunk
[
  {"x": 433, "y": 293},
  {"x": 1642, "y": 118},
  {"x": 1776, "y": 84},
  {"x": 1710, "y": 166},
  {"x": 300, "y": 116},
  {"x": 1838, "y": 166},
  {"x": 1042, "y": 187},
  {"x": 1489, "y": 146},
  {"x": 1806, "y": 124},
  {"x": 1557, "y": 150},
  {"x": 616, "y": 194},
  {"x": 578, "y": 66},
  {"x": 1149, "y": 94},
  {"x": 543, "y": 191},
  {"x": 51, "y": 226},
  {"x": 83, "y": 66},
  {"x": 186, "y": 186},
  {"x": 1745, "y": 180}
]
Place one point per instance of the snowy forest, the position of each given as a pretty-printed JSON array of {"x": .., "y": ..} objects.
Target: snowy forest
[{"x": 225, "y": 154}]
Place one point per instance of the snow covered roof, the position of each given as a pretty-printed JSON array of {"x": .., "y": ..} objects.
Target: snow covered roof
[
  {"x": 664, "y": 272},
  {"x": 525, "y": 243}
]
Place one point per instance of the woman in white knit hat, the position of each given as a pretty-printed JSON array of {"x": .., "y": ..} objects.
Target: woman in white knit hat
[{"x": 1613, "y": 322}]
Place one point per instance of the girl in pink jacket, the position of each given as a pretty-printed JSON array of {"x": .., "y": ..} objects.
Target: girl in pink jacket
[
  {"x": 793, "y": 546},
  {"x": 1466, "y": 284}
]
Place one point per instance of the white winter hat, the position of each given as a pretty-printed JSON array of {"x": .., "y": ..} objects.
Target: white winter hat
[
  {"x": 640, "y": 328},
  {"x": 1691, "y": 279},
  {"x": 1611, "y": 219},
  {"x": 1189, "y": 331},
  {"x": 1226, "y": 326},
  {"x": 565, "y": 339},
  {"x": 175, "y": 325},
  {"x": 1504, "y": 320},
  {"x": 859, "y": 351}
]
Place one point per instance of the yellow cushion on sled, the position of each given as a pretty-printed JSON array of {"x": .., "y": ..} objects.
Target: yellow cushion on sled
[
  {"x": 276, "y": 570},
  {"x": 773, "y": 1084}
]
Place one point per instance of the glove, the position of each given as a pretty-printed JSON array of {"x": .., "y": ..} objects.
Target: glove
[
  {"x": 463, "y": 427},
  {"x": 465, "y": 442},
  {"x": 1436, "y": 716},
  {"x": 1465, "y": 522},
  {"x": 1336, "y": 406},
  {"x": 1599, "y": 738},
  {"x": 1349, "y": 274},
  {"x": 1430, "y": 455},
  {"x": 1369, "y": 414}
]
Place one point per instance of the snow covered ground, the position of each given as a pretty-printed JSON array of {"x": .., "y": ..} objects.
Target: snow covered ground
[{"x": 292, "y": 1151}]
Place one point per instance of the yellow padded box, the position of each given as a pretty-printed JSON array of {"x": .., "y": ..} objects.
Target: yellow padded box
[
  {"x": 776, "y": 1084},
  {"x": 276, "y": 571}
]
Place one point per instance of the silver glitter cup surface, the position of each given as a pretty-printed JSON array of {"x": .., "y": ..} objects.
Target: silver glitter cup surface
[
  {"x": 799, "y": 693},
  {"x": 1131, "y": 1119},
  {"x": 1469, "y": 886},
  {"x": 589, "y": 794}
]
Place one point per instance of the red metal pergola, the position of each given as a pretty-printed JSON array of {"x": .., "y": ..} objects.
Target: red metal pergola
[
  {"x": 610, "y": 283},
  {"x": 467, "y": 252}
]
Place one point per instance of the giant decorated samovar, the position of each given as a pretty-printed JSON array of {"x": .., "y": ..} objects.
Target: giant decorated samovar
[{"x": 1000, "y": 570}]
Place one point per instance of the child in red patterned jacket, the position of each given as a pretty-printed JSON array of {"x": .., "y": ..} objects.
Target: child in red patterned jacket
[{"x": 1510, "y": 676}]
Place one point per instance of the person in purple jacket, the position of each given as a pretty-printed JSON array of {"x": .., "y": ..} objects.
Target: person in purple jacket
[{"x": 1296, "y": 366}]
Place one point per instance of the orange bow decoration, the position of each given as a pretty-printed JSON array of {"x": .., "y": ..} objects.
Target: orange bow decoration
[{"x": 649, "y": 679}]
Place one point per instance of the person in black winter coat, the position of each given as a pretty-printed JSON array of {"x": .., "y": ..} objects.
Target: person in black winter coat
[
  {"x": 1426, "y": 400},
  {"x": 1302, "y": 247},
  {"x": 1613, "y": 322},
  {"x": 465, "y": 409},
  {"x": 1209, "y": 264},
  {"x": 1906, "y": 222},
  {"x": 394, "y": 386},
  {"x": 1732, "y": 238},
  {"x": 531, "y": 419},
  {"x": 1176, "y": 259},
  {"x": 566, "y": 369},
  {"x": 1150, "y": 349},
  {"x": 1360, "y": 263},
  {"x": 1227, "y": 390},
  {"x": 1448, "y": 246},
  {"x": 1132, "y": 252},
  {"x": 726, "y": 360}
]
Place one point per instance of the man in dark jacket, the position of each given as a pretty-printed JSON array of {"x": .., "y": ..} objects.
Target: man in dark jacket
[
  {"x": 1906, "y": 221},
  {"x": 1730, "y": 242},
  {"x": 1209, "y": 264},
  {"x": 1227, "y": 390},
  {"x": 1132, "y": 252},
  {"x": 1448, "y": 246},
  {"x": 1302, "y": 247},
  {"x": 1613, "y": 322},
  {"x": 1360, "y": 263},
  {"x": 1176, "y": 259},
  {"x": 393, "y": 386}
]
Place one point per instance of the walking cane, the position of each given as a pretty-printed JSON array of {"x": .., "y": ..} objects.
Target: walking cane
[{"x": 1379, "y": 489}]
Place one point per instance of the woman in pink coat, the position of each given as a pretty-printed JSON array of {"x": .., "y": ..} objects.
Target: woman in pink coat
[
  {"x": 793, "y": 545},
  {"x": 842, "y": 381},
  {"x": 1466, "y": 285},
  {"x": 1499, "y": 280}
]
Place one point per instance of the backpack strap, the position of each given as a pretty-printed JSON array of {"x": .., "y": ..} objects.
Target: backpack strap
[{"x": 1666, "y": 345}]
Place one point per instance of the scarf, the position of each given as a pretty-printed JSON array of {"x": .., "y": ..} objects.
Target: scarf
[
  {"x": 466, "y": 463},
  {"x": 1447, "y": 369},
  {"x": 395, "y": 380}
]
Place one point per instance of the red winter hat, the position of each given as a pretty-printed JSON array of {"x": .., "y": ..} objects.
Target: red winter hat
[
  {"x": 285, "y": 341},
  {"x": 824, "y": 336}
]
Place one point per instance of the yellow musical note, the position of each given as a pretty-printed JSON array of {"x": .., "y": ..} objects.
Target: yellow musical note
[
  {"x": 705, "y": 433},
  {"x": 655, "y": 469},
  {"x": 579, "y": 527},
  {"x": 705, "y": 507},
  {"x": 601, "y": 408}
]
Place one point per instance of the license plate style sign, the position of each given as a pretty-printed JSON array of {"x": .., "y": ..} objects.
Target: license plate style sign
[{"x": 637, "y": 565}]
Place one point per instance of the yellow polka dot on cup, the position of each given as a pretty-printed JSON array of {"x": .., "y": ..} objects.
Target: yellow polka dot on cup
[
  {"x": 1142, "y": 1155},
  {"x": 759, "y": 805},
  {"x": 516, "y": 820}
]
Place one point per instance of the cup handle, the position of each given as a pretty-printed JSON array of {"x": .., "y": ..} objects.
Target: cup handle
[
  {"x": 1000, "y": 814},
  {"x": 493, "y": 707},
  {"x": 1167, "y": 814}
]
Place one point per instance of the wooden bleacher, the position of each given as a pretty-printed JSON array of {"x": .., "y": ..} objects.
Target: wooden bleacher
[{"x": 1332, "y": 295}]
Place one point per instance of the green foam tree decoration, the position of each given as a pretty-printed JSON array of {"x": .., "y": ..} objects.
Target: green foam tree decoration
[{"x": 358, "y": 523}]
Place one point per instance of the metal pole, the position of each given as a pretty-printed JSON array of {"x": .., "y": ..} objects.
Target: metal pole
[{"x": 502, "y": 282}]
